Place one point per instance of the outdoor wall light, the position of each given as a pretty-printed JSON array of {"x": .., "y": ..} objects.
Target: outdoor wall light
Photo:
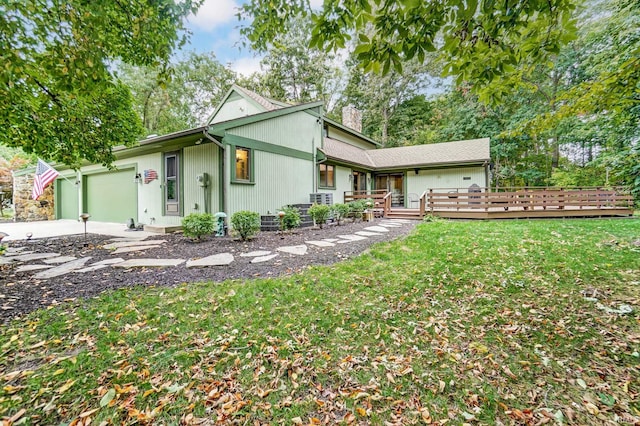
[{"x": 137, "y": 178}]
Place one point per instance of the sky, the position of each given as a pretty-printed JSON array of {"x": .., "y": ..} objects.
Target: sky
[{"x": 215, "y": 28}]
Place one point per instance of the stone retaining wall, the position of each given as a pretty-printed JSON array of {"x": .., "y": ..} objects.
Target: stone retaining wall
[{"x": 26, "y": 209}]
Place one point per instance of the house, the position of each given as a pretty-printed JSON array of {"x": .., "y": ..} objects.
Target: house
[{"x": 259, "y": 154}]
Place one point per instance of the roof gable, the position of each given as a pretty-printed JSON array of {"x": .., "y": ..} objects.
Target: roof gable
[{"x": 241, "y": 102}]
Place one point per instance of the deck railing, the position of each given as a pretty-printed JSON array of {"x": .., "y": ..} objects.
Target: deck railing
[
  {"x": 380, "y": 197},
  {"x": 528, "y": 199}
]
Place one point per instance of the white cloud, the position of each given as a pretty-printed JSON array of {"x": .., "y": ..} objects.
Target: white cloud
[
  {"x": 316, "y": 4},
  {"x": 213, "y": 13},
  {"x": 246, "y": 66}
]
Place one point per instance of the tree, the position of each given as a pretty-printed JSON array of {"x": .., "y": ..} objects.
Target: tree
[
  {"x": 61, "y": 99},
  {"x": 479, "y": 40},
  {"x": 197, "y": 85},
  {"x": 292, "y": 72},
  {"x": 379, "y": 96}
]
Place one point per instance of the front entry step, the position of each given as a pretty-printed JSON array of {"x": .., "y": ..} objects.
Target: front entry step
[{"x": 404, "y": 214}]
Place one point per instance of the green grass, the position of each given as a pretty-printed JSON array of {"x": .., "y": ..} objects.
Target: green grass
[{"x": 478, "y": 322}]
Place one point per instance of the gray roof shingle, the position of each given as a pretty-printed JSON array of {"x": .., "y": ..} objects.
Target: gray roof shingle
[{"x": 459, "y": 152}]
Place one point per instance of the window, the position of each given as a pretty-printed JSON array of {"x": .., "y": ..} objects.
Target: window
[
  {"x": 327, "y": 176},
  {"x": 243, "y": 165},
  {"x": 171, "y": 184}
]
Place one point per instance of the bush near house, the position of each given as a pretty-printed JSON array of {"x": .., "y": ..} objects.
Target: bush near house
[
  {"x": 197, "y": 225},
  {"x": 340, "y": 211},
  {"x": 291, "y": 218},
  {"x": 245, "y": 223},
  {"x": 319, "y": 213},
  {"x": 356, "y": 208}
]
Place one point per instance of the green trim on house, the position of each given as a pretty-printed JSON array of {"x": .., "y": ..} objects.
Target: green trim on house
[
  {"x": 351, "y": 131},
  {"x": 335, "y": 177},
  {"x": 221, "y": 181},
  {"x": 252, "y": 162},
  {"x": 266, "y": 147},
  {"x": 163, "y": 199},
  {"x": 219, "y": 129}
]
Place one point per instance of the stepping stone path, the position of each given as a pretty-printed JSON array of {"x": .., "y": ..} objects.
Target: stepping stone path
[
  {"x": 61, "y": 259},
  {"x": 300, "y": 250},
  {"x": 133, "y": 248},
  {"x": 221, "y": 259},
  {"x": 65, "y": 268},
  {"x": 149, "y": 263},
  {"x": 56, "y": 265},
  {"x": 352, "y": 238},
  {"x": 29, "y": 268},
  {"x": 368, "y": 233},
  {"x": 263, "y": 258},
  {"x": 376, "y": 229},
  {"x": 320, "y": 243},
  {"x": 100, "y": 265},
  {"x": 255, "y": 253}
]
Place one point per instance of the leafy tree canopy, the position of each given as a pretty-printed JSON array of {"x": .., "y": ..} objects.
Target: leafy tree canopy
[
  {"x": 60, "y": 97},
  {"x": 479, "y": 40}
]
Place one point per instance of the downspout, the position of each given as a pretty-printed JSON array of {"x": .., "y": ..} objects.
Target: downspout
[
  {"x": 223, "y": 154},
  {"x": 320, "y": 122}
]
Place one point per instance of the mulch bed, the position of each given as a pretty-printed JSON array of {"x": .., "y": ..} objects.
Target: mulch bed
[{"x": 20, "y": 293}]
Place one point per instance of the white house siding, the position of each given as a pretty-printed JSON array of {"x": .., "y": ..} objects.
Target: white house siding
[
  {"x": 299, "y": 130},
  {"x": 197, "y": 160},
  {"x": 279, "y": 180},
  {"x": 236, "y": 107},
  {"x": 444, "y": 178}
]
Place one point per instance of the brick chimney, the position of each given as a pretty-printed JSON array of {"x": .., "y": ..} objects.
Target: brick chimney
[{"x": 352, "y": 118}]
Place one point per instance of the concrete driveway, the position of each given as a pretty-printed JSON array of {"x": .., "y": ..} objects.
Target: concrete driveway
[{"x": 56, "y": 228}]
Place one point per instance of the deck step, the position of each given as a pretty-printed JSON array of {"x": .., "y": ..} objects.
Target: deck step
[{"x": 404, "y": 214}]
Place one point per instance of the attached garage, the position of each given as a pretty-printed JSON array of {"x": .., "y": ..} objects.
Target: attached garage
[
  {"x": 66, "y": 199},
  {"x": 111, "y": 196}
]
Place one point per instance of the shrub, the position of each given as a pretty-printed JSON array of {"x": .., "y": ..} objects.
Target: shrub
[
  {"x": 340, "y": 211},
  {"x": 245, "y": 223},
  {"x": 356, "y": 208},
  {"x": 3, "y": 248},
  {"x": 291, "y": 218},
  {"x": 319, "y": 213},
  {"x": 197, "y": 225}
]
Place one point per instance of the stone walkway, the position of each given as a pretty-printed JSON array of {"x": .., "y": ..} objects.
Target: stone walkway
[{"x": 49, "y": 265}]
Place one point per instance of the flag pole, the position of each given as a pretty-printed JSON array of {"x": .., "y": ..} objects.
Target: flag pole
[{"x": 59, "y": 175}]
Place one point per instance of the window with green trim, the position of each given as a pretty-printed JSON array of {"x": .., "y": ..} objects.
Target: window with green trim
[
  {"x": 327, "y": 176},
  {"x": 243, "y": 165}
]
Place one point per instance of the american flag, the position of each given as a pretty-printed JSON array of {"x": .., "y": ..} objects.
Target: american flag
[
  {"x": 150, "y": 175},
  {"x": 45, "y": 174}
]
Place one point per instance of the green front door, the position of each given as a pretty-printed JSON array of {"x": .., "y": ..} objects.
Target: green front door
[
  {"x": 111, "y": 196},
  {"x": 66, "y": 199}
]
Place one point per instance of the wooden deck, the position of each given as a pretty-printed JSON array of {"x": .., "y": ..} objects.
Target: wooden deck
[{"x": 514, "y": 203}]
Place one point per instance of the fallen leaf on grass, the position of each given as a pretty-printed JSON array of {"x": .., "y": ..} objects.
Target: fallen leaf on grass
[
  {"x": 62, "y": 389},
  {"x": 108, "y": 397}
]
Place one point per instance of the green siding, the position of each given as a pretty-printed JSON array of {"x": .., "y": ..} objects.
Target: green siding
[
  {"x": 197, "y": 160},
  {"x": 66, "y": 198},
  {"x": 236, "y": 107},
  {"x": 300, "y": 131},
  {"x": 111, "y": 196},
  {"x": 350, "y": 139},
  {"x": 279, "y": 180},
  {"x": 444, "y": 178}
]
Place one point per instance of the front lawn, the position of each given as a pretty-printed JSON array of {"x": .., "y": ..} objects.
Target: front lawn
[{"x": 520, "y": 322}]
